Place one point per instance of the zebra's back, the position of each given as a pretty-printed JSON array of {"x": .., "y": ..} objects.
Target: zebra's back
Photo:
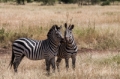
[{"x": 32, "y": 49}]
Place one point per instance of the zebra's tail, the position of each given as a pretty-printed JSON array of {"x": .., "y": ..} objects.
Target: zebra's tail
[{"x": 12, "y": 59}]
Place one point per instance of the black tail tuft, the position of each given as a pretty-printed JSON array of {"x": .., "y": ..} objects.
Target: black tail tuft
[{"x": 12, "y": 59}]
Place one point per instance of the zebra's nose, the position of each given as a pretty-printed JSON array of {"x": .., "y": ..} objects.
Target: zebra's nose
[
  {"x": 62, "y": 40},
  {"x": 67, "y": 38}
]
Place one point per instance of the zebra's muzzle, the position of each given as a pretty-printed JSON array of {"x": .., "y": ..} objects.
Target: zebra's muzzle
[
  {"x": 62, "y": 40},
  {"x": 67, "y": 38}
]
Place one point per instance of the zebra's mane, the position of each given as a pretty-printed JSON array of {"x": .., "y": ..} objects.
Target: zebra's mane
[{"x": 52, "y": 29}]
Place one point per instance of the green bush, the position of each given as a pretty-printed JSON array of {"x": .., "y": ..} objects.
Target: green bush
[
  {"x": 107, "y": 2},
  {"x": 3, "y": 35},
  {"x": 68, "y": 1},
  {"x": 93, "y": 2},
  {"x": 48, "y": 2}
]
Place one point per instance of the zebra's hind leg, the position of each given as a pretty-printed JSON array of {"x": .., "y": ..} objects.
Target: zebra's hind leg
[
  {"x": 73, "y": 61},
  {"x": 67, "y": 63},
  {"x": 47, "y": 66},
  {"x": 58, "y": 62},
  {"x": 52, "y": 61},
  {"x": 17, "y": 62}
]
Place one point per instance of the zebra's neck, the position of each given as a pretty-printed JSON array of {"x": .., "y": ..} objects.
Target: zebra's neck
[
  {"x": 70, "y": 43},
  {"x": 54, "y": 46},
  {"x": 53, "y": 43}
]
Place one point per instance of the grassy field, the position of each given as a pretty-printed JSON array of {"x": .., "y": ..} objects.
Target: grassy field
[
  {"x": 90, "y": 65},
  {"x": 96, "y": 28}
]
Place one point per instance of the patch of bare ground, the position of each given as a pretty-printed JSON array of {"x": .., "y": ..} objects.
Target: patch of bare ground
[
  {"x": 83, "y": 50},
  {"x": 7, "y": 51}
]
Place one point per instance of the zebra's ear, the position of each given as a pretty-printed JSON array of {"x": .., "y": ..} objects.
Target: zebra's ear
[
  {"x": 60, "y": 27},
  {"x": 65, "y": 25},
  {"x": 57, "y": 28},
  {"x": 71, "y": 27}
]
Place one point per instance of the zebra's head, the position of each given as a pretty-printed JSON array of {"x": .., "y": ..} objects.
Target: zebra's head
[
  {"x": 55, "y": 34},
  {"x": 68, "y": 33}
]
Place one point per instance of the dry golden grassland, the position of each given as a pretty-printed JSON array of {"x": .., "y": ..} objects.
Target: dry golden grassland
[
  {"x": 89, "y": 65},
  {"x": 96, "y": 27}
]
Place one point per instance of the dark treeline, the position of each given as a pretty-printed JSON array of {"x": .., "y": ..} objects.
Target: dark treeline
[{"x": 79, "y": 2}]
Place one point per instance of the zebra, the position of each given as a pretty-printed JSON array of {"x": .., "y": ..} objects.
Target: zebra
[
  {"x": 67, "y": 49},
  {"x": 37, "y": 49}
]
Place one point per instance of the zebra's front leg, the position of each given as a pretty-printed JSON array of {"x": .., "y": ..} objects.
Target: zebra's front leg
[
  {"x": 48, "y": 66},
  {"x": 73, "y": 61},
  {"x": 53, "y": 64},
  {"x": 58, "y": 62},
  {"x": 67, "y": 63}
]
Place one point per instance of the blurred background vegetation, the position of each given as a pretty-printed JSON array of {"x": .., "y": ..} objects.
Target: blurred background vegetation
[
  {"x": 34, "y": 21},
  {"x": 79, "y": 2}
]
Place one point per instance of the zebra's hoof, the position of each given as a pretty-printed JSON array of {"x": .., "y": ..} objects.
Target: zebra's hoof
[{"x": 48, "y": 74}]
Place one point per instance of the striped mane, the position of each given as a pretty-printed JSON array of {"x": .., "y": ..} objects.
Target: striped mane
[
  {"x": 54, "y": 27},
  {"x": 51, "y": 30}
]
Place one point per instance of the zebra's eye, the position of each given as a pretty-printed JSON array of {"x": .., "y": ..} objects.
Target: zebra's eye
[{"x": 57, "y": 33}]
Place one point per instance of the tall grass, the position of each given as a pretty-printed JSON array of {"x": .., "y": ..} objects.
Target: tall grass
[
  {"x": 96, "y": 27},
  {"x": 87, "y": 37},
  {"x": 104, "y": 65},
  {"x": 98, "y": 38},
  {"x": 7, "y": 37}
]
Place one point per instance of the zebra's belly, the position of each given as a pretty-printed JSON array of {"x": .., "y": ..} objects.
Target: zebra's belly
[
  {"x": 32, "y": 58},
  {"x": 35, "y": 56}
]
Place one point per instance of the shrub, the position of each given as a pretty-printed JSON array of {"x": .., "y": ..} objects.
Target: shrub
[
  {"x": 93, "y": 2},
  {"x": 68, "y": 1},
  {"x": 3, "y": 35},
  {"x": 48, "y": 2},
  {"x": 107, "y": 2}
]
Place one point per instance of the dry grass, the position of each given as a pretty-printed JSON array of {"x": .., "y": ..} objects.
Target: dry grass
[
  {"x": 34, "y": 21},
  {"x": 89, "y": 65},
  {"x": 96, "y": 27},
  {"x": 13, "y": 16}
]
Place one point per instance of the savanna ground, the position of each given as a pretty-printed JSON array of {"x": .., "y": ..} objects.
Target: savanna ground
[{"x": 97, "y": 33}]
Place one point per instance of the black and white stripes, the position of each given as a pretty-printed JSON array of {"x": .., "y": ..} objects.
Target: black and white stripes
[
  {"x": 46, "y": 49},
  {"x": 37, "y": 50},
  {"x": 67, "y": 49}
]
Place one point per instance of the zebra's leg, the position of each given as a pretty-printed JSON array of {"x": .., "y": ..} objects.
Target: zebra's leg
[
  {"x": 53, "y": 64},
  {"x": 73, "y": 61},
  {"x": 47, "y": 66},
  {"x": 17, "y": 61},
  {"x": 58, "y": 62},
  {"x": 67, "y": 63}
]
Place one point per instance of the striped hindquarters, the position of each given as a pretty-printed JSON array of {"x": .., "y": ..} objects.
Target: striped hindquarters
[{"x": 32, "y": 49}]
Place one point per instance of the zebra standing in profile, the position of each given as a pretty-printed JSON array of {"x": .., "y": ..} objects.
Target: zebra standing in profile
[
  {"x": 67, "y": 49},
  {"x": 37, "y": 50}
]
